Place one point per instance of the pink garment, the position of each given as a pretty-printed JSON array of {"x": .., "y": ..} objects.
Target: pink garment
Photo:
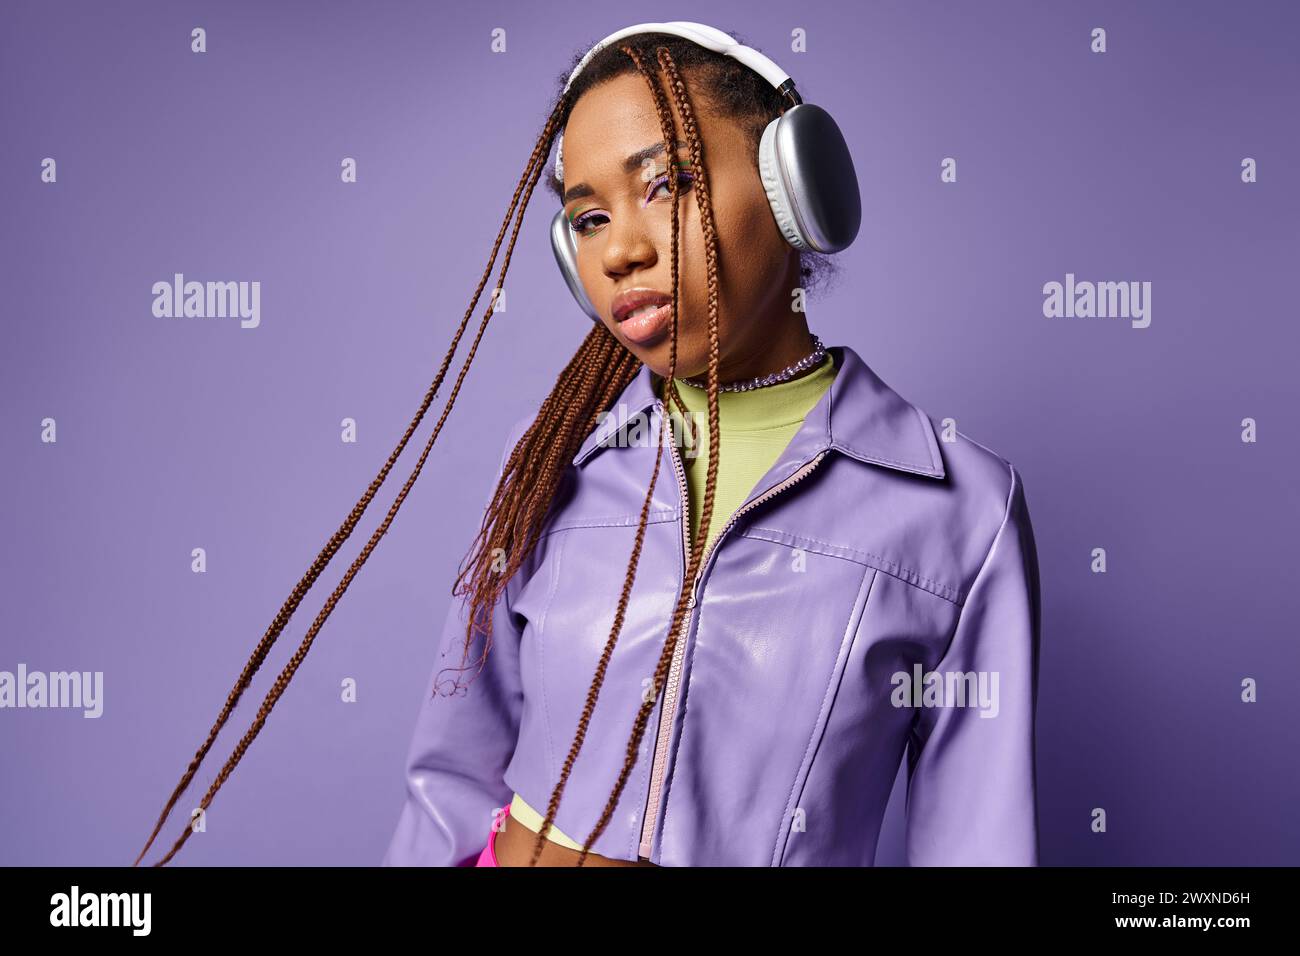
[{"x": 489, "y": 855}]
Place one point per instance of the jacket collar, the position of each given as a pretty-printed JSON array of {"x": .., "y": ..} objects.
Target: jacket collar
[{"x": 859, "y": 415}]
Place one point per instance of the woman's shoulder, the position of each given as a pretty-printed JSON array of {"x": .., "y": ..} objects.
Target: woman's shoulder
[
  {"x": 954, "y": 519},
  {"x": 978, "y": 474}
]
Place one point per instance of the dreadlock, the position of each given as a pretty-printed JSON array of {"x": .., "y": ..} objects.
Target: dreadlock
[{"x": 585, "y": 390}]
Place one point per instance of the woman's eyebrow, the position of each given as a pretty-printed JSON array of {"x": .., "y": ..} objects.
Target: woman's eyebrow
[{"x": 630, "y": 165}]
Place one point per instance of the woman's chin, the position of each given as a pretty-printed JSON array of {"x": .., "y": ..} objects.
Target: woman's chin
[
  {"x": 690, "y": 361},
  {"x": 659, "y": 365}
]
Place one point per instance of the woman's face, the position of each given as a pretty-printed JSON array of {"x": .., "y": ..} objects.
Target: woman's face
[{"x": 617, "y": 201}]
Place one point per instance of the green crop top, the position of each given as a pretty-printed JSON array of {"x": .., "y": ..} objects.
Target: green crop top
[{"x": 754, "y": 428}]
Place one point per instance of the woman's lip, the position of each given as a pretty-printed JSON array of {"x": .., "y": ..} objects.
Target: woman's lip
[{"x": 648, "y": 326}]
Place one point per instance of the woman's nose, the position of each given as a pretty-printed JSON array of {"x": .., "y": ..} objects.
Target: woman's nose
[{"x": 629, "y": 246}]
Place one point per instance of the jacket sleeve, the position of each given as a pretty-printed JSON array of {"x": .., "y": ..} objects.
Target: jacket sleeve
[
  {"x": 464, "y": 741},
  {"x": 971, "y": 790}
]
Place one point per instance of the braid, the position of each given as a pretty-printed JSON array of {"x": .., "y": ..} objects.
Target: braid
[
  {"x": 527, "y": 182},
  {"x": 594, "y": 378},
  {"x": 599, "y": 372},
  {"x": 665, "y": 658}
]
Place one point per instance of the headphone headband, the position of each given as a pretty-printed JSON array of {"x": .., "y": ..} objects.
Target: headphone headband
[
  {"x": 706, "y": 36},
  {"x": 804, "y": 163}
]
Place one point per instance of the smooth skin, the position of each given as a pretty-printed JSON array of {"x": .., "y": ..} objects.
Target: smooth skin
[
  {"x": 515, "y": 842},
  {"x": 627, "y": 243}
]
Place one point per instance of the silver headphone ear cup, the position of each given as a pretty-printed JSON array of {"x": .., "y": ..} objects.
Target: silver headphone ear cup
[
  {"x": 778, "y": 197},
  {"x": 808, "y": 175},
  {"x": 564, "y": 246}
]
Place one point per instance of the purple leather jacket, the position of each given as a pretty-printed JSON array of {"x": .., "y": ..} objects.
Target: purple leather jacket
[{"x": 875, "y": 597}]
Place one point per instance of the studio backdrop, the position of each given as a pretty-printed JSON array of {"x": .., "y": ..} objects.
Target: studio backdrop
[{"x": 1078, "y": 247}]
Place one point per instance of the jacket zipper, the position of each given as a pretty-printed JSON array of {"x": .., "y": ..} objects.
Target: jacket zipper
[
  {"x": 669, "y": 709},
  {"x": 670, "y": 690}
]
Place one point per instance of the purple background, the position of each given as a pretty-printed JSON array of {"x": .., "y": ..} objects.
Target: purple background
[{"x": 175, "y": 433}]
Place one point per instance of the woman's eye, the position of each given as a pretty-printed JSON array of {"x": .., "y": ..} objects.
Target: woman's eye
[
  {"x": 589, "y": 223},
  {"x": 580, "y": 224},
  {"x": 683, "y": 180}
]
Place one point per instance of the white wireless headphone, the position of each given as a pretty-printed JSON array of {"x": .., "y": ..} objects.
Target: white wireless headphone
[{"x": 803, "y": 161}]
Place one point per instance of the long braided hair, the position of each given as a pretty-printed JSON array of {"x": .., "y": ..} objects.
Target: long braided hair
[{"x": 587, "y": 387}]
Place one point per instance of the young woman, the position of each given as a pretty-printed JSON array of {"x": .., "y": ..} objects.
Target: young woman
[{"x": 723, "y": 664}]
